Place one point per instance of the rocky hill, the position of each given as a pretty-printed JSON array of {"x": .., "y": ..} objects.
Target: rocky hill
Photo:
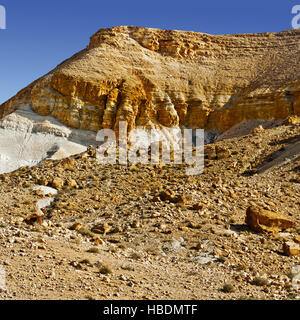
[
  {"x": 154, "y": 78},
  {"x": 77, "y": 229},
  {"x": 74, "y": 228}
]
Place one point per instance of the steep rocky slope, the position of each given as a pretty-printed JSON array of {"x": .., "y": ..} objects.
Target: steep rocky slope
[{"x": 156, "y": 78}]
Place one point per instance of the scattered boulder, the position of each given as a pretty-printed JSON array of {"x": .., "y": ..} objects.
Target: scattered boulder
[
  {"x": 91, "y": 151},
  {"x": 93, "y": 250},
  {"x": 297, "y": 239},
  {"x": 97, "y": 240},
  {"x": 169, "y": 195},
  {"x": 199, "y": 206},
  {"x": 76, "y": 226},
  {"x": 180, "y": 200},
  {"x": 260, "y": 220},
  {"x": 166, "y": 195},
  {"x": 291, "y": 120},
  {"x": 71, "y": 183},
  {"x": 216, "y": 152},
  {"x": 68, "y": 164},
  {"x": 76, "y": 265},
  {"x": 43, "y": 181},
  {"x": 228, "y": 288},
  {"x": 222, "y": 152},
  {"x": 258, "y": 129},
  {"x": 260, "y": 281},
  {"x": 291, "y": 248},
  {"x": 133, "y": 168},
  {"x": 210, "y": 152},
  {"x": 135, "y": 224},
  {"x": 57, "y": 183},
  {"x": 102, "y": 228},
  {"x": 105, "y": 269},
  {"x": 34, "y": 218}
]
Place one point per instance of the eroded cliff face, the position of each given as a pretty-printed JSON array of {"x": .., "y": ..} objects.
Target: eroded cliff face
[{"x": 161, "y": 78}]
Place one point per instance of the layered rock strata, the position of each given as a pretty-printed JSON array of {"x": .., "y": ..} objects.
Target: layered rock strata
[{"x": 162, "y": 78}]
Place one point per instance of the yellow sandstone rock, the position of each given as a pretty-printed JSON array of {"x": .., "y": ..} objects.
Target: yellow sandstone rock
[
  {"x": 291, "y": 248},
  {"x": 259, "y": 219},
  {"x": 76, "y": 226},
  {"x": 67, "y": 164},
  {"x": 297, "y": 239},
  {"x": 155, "y": 78},
  {"x": 57, "y": 183},
  {"x": 292, "y": 120}
]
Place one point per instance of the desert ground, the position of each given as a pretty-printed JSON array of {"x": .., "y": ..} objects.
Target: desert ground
[{"x": 152, "y": 232}]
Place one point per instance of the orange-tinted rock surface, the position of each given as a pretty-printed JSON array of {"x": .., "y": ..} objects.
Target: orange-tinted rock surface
[
  {"x": 259, "y": 219},
  {"x": 156, "y": 78}
]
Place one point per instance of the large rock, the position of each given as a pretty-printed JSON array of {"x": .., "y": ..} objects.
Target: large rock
[
  {"x": 259, "y": 219},
  {"x": 160, "y": 78},
  {"x": 291, "y": 248}
]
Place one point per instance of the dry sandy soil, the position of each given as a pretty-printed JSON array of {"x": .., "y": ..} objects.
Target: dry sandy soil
[{"x": 130, "y": 242}]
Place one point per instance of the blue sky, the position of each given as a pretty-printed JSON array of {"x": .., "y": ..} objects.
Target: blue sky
[{"x": 41, "y": 34}]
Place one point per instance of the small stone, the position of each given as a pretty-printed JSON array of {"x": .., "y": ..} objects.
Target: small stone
[
  {"x": 136, "y": 224},
  {"x": 179, "y": 200},
  {"x": 93, "y": 250},
  {"x": 86, "y": 261},
  {"x": 156, "y": 214},
  {"x": 260, "y": 281},
  {"x": 133, "y": 168},
  {"x": 71, "y": 183},
  {"x": 232, "y": 195},
  {"x": 258, "y": 129},
  {"x": 186, "y": 229},
  {"x": 222, "y": 152},
  {"x": 102, "y": 228},
  {"x": 291, "y": 120},
  {"x": 228, "y": 288},
  {"x": 297, "y": 239},
  {"x": 76, "y": 226},
  {"x": 43, "y": 181},
  {"x": 96, "y": 197},
  {"x": 128, "y": 267},
  {"x": 57, "y": 183},
  {"x": 210, "y": 152},
  {"x": 68, "y": 164},
  {"x": 76, "y": 265},
  {"x": 98, "y": 241},
  {"x": 34, "y": 218},
  {"x": 105, "y": 269},
  {"x": 162, "y": 226},
  {"x": 199, "y": 206},
  {"x": 199, "y": 246},
  {"x": 166, "y": 195}
]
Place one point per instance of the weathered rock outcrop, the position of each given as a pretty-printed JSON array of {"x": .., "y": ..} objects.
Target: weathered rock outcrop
[
  {"x": 259, "y": 219},
  {"x": 155, "y": 78}
]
